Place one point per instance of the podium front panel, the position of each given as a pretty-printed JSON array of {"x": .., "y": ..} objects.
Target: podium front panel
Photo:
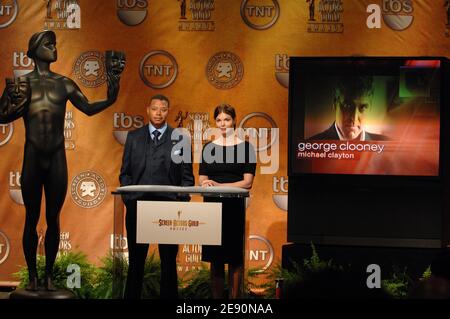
[{"x": 166, "y": 222}]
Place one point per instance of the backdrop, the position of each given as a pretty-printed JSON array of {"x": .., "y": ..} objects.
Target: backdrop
[{"x": 199, "y": 53}]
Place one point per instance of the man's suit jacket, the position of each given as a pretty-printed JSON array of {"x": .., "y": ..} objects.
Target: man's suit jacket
[
  {"x": 135, "y": 158},
  {"x": 331, "y": 134}
]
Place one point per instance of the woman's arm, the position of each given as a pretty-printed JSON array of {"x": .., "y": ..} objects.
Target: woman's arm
[{"x": 202, "y": 179}]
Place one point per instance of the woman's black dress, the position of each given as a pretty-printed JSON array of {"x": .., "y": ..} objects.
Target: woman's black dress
[{"x": 228, "y": 168}]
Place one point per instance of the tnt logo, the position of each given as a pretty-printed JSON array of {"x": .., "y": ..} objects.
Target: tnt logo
[
  {"x": 397, "y": 14},
  {"x": 260, "y": 14},
  {"x": 122, "y": 123},
  {"x": 263, "y": 133},
  {"x": 8, "y": 12},
  {"x": 6, "y": 131},
  {"x": 4, "y": 247},
  {"x": 260, "y": 253},
  {"x": 158, "y": 69}
]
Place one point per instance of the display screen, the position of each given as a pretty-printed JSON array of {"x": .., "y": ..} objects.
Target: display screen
[{"x": 365, "y": 116}]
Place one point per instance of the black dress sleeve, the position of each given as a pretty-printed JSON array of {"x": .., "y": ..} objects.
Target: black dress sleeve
[
  {"x": 250, "y": 162},
  {"x": 203, "y": 167}
]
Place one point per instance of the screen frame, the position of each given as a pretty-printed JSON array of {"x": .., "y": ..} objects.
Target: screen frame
[{"x": 296, "y": 62}]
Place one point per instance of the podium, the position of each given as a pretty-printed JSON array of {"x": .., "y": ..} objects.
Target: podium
[{"x": 145, "y": 191}]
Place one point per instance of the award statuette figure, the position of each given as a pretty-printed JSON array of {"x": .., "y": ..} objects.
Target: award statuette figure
[{"x": 40, "y": 98}]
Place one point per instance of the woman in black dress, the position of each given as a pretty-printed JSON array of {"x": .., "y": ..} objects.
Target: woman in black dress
[{"x": 227, "y": 161}]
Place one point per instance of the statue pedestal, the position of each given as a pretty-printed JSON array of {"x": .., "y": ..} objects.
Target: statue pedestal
[{"x": 41, "y": 293}]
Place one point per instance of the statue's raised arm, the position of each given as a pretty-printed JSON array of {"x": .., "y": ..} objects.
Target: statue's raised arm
[{"x": 115, "y": 63}]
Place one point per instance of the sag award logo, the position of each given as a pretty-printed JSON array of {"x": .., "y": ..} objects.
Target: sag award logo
[
  {"x": 224, "y": 70},
  {"x": 158, "y": 69},
  {"x": 178, "y": 224},
  {"x": 200, "y": 15},
  {"x": 88, "y": 189},
  {"x": 65, "y": 244},
  {"x": 190, "y": 258},
  {"x": 197, "y": 125},
  {"x": 6, "y": 132},
  {"x": 8, "y": 12},
  {"x": 4, "y": 247},
  {"x": 89, "y": 68},
  {"x": 69, "y": 127},
  {"x": 282, "y": 69},
  {"x": 260, "y": 14},
  {"x": 132, "y": 12},
  {"x": 62, "y": 14},
  {"x": 328, "y": 18},
  {"x": 261, "y": 253},
  {"x": 123, "y": 123}
]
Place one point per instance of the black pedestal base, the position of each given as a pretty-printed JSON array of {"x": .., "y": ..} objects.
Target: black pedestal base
[{"x": 41, "y": 294}]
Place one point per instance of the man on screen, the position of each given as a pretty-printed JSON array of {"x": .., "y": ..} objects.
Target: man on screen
[{"x": 352, "y": 98}]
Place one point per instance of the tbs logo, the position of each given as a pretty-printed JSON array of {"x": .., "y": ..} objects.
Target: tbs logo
[
  {"x": 124, "y": 123},
  {"x": 397, "y": 14},
  {"x": 15, "y": 190},
  {"x": 22, "y": 64},
  {"x": 132, "y": 12}
]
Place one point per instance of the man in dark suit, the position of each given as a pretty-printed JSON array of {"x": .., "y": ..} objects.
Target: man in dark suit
[
  {"x": 352, "y": 98},
  {"x": 147, "y": 160}
]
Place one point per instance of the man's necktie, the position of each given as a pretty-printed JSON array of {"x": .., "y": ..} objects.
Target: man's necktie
[{"x": 156, "y": 135}]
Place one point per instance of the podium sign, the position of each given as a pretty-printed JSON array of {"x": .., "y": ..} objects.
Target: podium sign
[{"x": 160, "y": 222}]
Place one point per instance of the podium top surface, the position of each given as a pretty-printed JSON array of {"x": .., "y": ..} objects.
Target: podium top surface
[{"x": 205, "y": 191}]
